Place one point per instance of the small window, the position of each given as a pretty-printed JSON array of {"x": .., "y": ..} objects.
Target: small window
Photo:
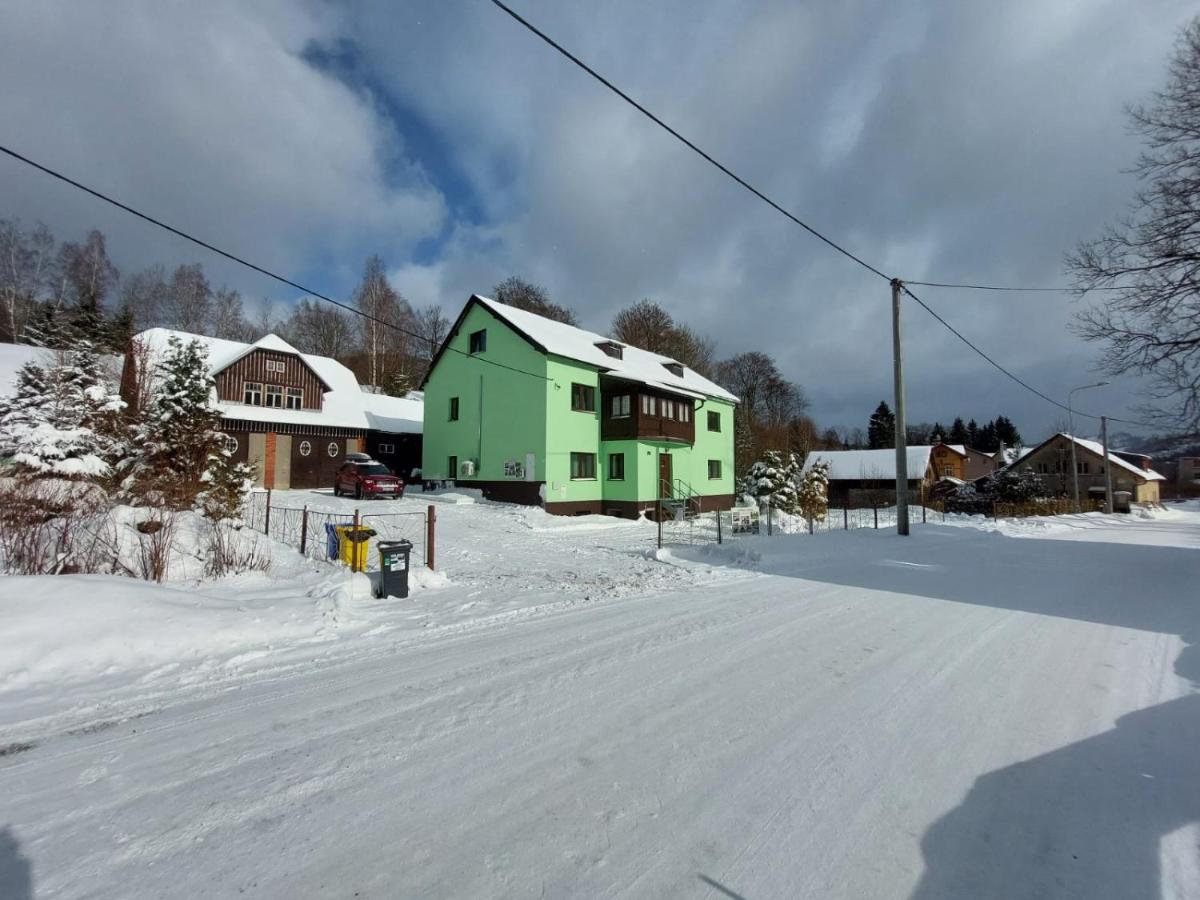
[
  {"x": 583, "y": 398},
  {"x": 583, "y": 466},
  {"x": 674, "y": 368},
  {"x": 648, "y": 405},
  {"x": 1083, "y": 467},
  {"x": 305, "y": 448},
  {"x": 295, "y": 398},
  {"x": 252, "y": 393},
  {"x": 274, "y": 396},
  {"x": 668, "y": 409},
  {"x": 685, "y": 411},
  {"x": 612, "y": 348},
  {"x": 620, "y": 406},
  {"x": 714, "y": 468},
  {"x": 947, "y": 470},
  {"x": 231, "y": 443},
  {"x": 333, "y": 449},
  {"x": 479, "y": 341},
  {"x": 616, "y": 466},
  {"x": 453, "y": 409},
  {"x": 387, "y": 448},
  {"x": 274, "y": 365},
  {"x": 714, "y": 420}
]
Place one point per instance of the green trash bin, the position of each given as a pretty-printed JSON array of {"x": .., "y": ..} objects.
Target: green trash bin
[{"x": 394, "y": 558}]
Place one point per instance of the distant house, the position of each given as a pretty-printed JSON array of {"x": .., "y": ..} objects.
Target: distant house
[
  {"x": 961, "y": 462},
  {"x": 868, "y": 477},
  {"x": 1188, "y": 472},
  {"x": 293, "y": 416},
  {"x": 530, "y": 410},
  {"x": 1051, "y": 459}
]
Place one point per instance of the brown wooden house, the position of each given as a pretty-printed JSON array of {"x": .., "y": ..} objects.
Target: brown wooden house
[{"x": 293, "y": 416}]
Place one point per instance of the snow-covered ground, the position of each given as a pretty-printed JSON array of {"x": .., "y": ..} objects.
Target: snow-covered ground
[{"x": 980, "y": 710}]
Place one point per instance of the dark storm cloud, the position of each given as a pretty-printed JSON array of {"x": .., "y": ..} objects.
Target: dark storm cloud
[{"x": 947, "y": 140}]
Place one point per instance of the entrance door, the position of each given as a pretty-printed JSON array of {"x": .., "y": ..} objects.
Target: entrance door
[
  {"x": 256, "y": 455},
  {"x": 452, "y": 465},
  {"x": 283, "y": 461},
  {"x": 664, "y": 476}
]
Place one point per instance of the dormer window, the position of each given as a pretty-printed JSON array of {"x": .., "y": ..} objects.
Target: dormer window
[
  {"x": 612, "y": 348},
  {"x": 674, "y": 368}
]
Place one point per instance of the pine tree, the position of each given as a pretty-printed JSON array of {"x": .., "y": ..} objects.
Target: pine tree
[
  {"x": 972, "y": 434},
  {"x": 1006, "y": 432},
  {"x": 881, "y": 429},
  {"x": 773, "y": 480},
  {"x": 184, "y": 460},
  {"x": 958, "y": 432},
  {"x": 987, "y": 441},
  {"x": 938, "y": 434},
  {"x": 63, "y": 421},
  {"x": 812, "y": 499}
]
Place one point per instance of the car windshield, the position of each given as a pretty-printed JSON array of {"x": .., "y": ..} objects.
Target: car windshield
[{"x": 373, "y": 469}]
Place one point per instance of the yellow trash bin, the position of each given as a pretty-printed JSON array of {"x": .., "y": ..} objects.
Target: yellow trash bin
[{"x": 352, "y": 545}]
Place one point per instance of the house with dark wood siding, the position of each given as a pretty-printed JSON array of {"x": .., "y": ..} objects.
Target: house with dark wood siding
[{"x": 293, "y": 416}]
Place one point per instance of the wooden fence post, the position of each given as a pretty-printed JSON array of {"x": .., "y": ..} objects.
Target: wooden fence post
[
  {"x": 304, "y": 529},
  {"x": 875, "y": 510},
  {"x": 267, "y": 517},
  {"x": 430, "y": 533},
  {"x": 769, "y": 518},
  {"x": 846, "y": 518},
  {"x": 718, "y": 526}
]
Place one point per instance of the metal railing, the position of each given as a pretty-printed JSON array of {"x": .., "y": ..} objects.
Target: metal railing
[{"x": 304, "y": 527}]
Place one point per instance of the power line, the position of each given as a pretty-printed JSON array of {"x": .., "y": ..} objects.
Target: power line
[
  {"x": 245, "y": 262},
  {"x": 958, "y": 334},
  {"x": 993, "y": 287},
  {"x": 811, "y": 230},
  {"x": 685, "y": 141}
]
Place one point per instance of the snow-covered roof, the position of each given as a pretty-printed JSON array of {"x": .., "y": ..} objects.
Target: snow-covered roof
[
  {"x": 1013, "y": 454},
  {"x": 1098, "y": 449},
  {"x": 344, "y": 404},
  {"x": 401, "y": 415},
  {"x": 874, "y": 465},
  {"x": 12, "y": 357},
  {"x": 574, "y": 343}
]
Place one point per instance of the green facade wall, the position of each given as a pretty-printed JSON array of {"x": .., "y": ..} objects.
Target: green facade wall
[
  {"x": 569, "y": 430},
  {"x": 513, "y": 404}
]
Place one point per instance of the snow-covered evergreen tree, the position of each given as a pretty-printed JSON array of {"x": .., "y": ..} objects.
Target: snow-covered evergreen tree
[
  {"x": 64, "y": 419},
  {"x": 812, "y": 499},
  {"x": 773, "y": 479},
  {"x": 183, "y": 459}
]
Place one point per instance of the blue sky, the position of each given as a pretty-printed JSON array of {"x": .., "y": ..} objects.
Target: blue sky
[{"x": 939, "y": 140}]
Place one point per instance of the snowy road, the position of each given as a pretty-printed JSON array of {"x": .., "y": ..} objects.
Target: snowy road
[{"x": 960, "y": 714}]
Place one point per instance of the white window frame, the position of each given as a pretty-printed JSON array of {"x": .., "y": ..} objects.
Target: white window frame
[
  {"x": 305, "y": 448},
  {"x": 273, "y": 391},
  {"x": 252, "y": 389},
  {"x": 290, "y": 394},
  {"x": 333, "y": 449},
  {"x": 685, "y": 411},
  {"x": 387, "y": 448},
  {"x": 649, "y": 407},
  {"x": 621, "y": 406}
]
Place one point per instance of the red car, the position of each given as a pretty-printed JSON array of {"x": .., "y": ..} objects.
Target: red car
[{"x": 366, "y": 479}]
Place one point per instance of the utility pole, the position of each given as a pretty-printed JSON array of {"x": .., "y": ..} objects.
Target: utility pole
[
  {"x": 1071, "y": 425},
  {"x": 1108, "y": 507},
  {"x": 901, "y": 436}
]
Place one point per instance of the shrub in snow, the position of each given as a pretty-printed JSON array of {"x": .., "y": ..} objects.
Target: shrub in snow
[
  {"x": 53, "y": 526},
  {"x": 182, "y": 459},
  {"x": 773, "y": 480},
  {"x": 63, "y": 420},
  {"x": 812, "y": 499},
  {"x": 1006, "y": 486}
]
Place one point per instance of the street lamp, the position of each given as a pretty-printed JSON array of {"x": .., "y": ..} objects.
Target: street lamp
[{"x": 1071, "y": 425}]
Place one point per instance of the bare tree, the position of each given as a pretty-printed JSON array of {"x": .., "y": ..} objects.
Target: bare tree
[
  {"x": 189, "y": 299},
  {"x": 86, "y": 272},
  {"x": 25, "y": 274},
  {"x": 145, "y": 296},
  {"x": 645, "y": 324},
  {"x": 533, "y": 298},
  {"x": 380, "y": 305},
  {"x": 433, "y": 326},
  {"x": 226, "y": 318},
  {"x": 1152, "y": 324},
  {"x": 323, "y": 330}
]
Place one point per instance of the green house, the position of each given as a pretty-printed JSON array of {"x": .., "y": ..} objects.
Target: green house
[{"x": 530, "y": 410}]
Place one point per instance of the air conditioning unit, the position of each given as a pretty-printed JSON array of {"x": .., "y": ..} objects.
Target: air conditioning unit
[{"x": 467, "y": 468}]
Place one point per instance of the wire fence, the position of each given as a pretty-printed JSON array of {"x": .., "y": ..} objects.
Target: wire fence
[
  {"x": 739, "y": 522},
  {"x": 310, "y": 530}
]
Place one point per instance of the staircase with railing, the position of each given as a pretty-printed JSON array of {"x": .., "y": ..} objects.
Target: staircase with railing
[{"x": 679, "y": 501}]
